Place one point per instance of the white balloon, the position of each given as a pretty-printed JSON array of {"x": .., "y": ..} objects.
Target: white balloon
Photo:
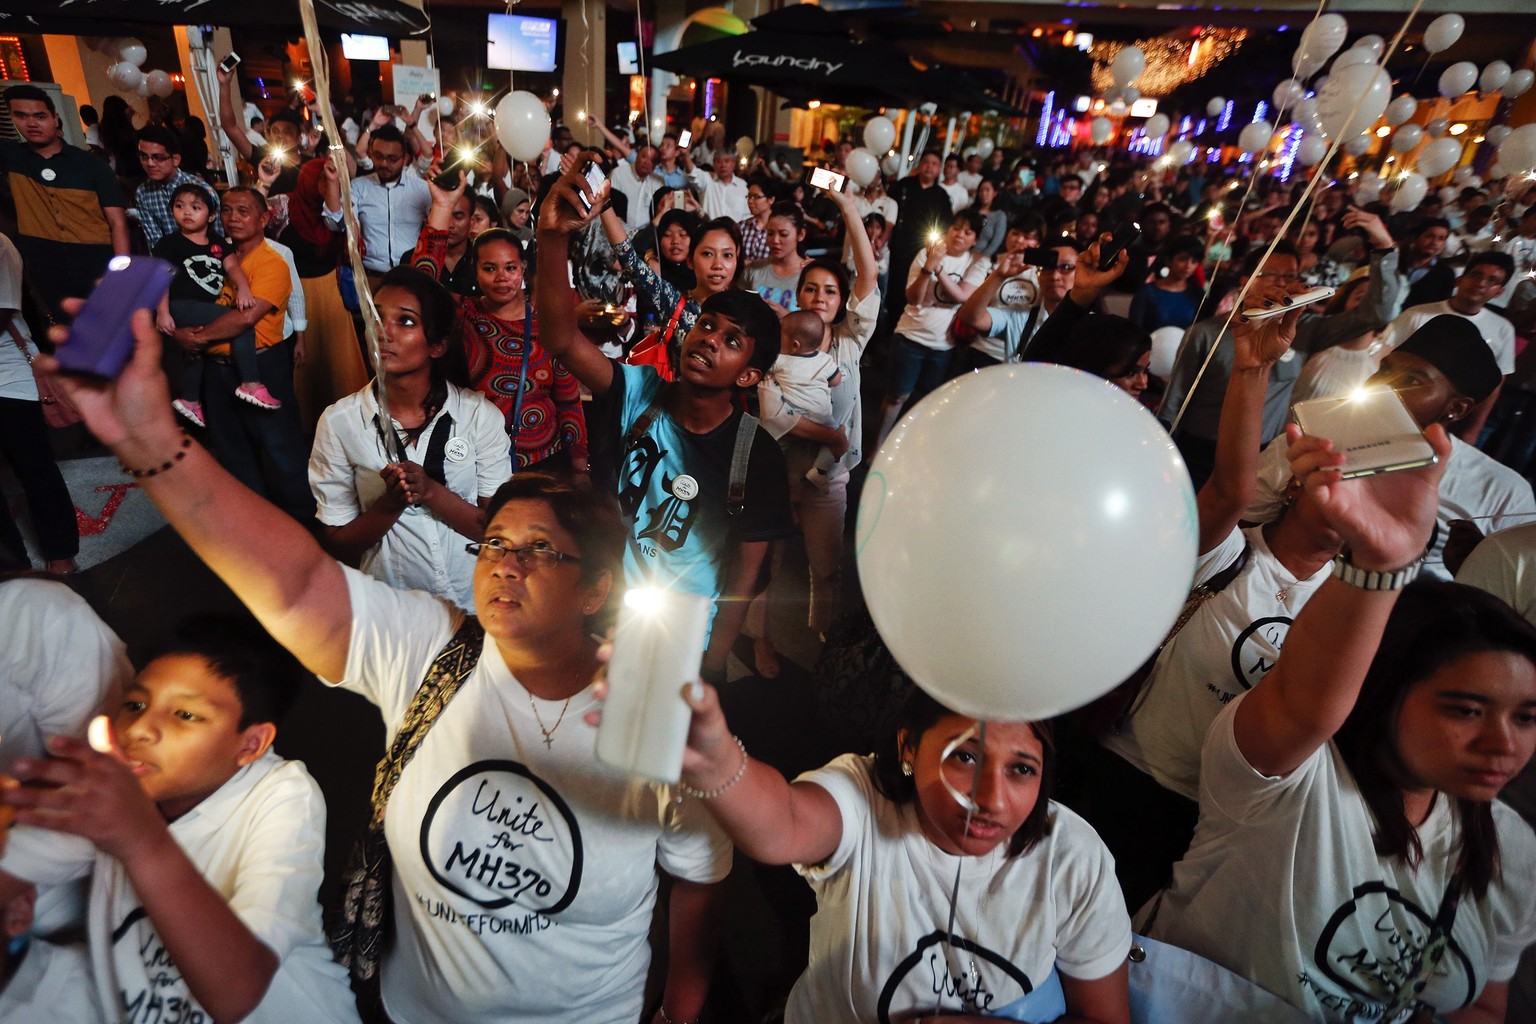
[
  {"x": 1130, "y": 94},
  {"x": 1475, "y": 181},
  {"x": 1374, "y": 43},
  {"x": 862, "y": 166},
  {"x": 1494, "y": 76},
  {"x": 879, "y": 134},
  {"x": 1157, "y": 126},
  {"x": 1448, "y": 193},
  {"x": 1128, "y": 65},
  {"x": 1319, "y": 82},
  {"x": 1497, "y": 134},
  {"x": 1518, "y": 152},
  {"x": 1457, "y": 79},
  {"x": 1410, "y": 192},
  {"x": 159, "y": 83},
  {"x": 445, "y": 106},
  {"x": 1496, "y": 172},
  {"x": 1305, "y": 115},
  {"x": 1436, "y": 128},
  {"x": 133, "y": 52},
  {"x": 958, "y": 592},
  {"x": 1352, "y": 99},
  {"x": 1368, "y": 190},
  {"x": 1181, "y": 151},
  {"x": 1321, "y": 40},
  {"x": 1099, "y": 130},
  {"x": 1443, "y": 32},
  {"x": 986, "y": 146},
  {"x": 1407, "y": 137},
  {"x": 1354, "y": 55},
  {"x": 891, "y": 164},
  {"x": 1461, "y": 174},
  {"x": 1312, "y": 150},
  {"x": 1254, "y": 138},
  {"x": 1518, "y": 83},
  {"x": 522, "y": 125},
  {"x": 125, "y": 76},
  {"x": 1401, "y": 109},
  {"x": 1165, "y": 348},
  {"x": 142, "y": 89},
  {"x": 1287, "y": 94},
  {"x": 1359, "y": 145},
  {"x": 1215, "y": 106},
  {"x": 1439, "y": 156}
]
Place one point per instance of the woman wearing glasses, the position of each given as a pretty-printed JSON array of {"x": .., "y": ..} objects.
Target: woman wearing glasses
[
  {"x": 399, "y": 496},
  {"x": 521, "y": 873}
]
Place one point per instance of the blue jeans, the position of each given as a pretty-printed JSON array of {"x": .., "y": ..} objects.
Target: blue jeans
[{"x": 916, "y": 369}]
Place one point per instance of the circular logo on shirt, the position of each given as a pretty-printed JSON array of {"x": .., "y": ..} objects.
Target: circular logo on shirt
[
  {"x": 958, "y": 976},
  {"x": 457, "y": 449},
  {"x": 1018, "y": 292},
  {"x": 49, "y": 174},
  {"x": 499, "y": 835},
  {"x": 1375, "y": 943},
  {"x": 1258, "y": 648},
  {"x": 685, "y": 488}
]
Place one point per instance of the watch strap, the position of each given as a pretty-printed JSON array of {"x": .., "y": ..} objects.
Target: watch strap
[{"x": 1366, "y": 579}]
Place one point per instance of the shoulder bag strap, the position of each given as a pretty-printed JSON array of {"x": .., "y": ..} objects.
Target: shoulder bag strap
[
  {"x": 736, "y": 496},
  {"x": 522, "y": 378},
  {"x": 643, "y": 422},
  {"x": 437, "y": 449}
]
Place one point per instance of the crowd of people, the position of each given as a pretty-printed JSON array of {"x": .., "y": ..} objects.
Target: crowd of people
[{"x": 673, "y": 380}]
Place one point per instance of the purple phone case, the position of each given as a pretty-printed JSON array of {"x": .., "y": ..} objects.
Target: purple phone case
[{"x": 101, "y": 337}]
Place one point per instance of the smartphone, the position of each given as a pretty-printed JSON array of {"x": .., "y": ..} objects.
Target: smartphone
[
  {"x": 657, "y": 650},
  {"x": 1125, "y": 235},
  {"x": 448, "y": 180},
  {"x": 1371, "y": 427},
  {"x": 828, "y": 180},
  {"x": 1026, "y": 177},
  {"x": 595, "y": 179},
  {"x": 685, "y": 140},
  {"x": 1044, "y": 257},
  {"x": 1304, "y": 299},
  {"x": 230, "y": 62},
  {"x": 427, "y": 97},
  {"x": 679, "y": 199},
  {"x": 101, "y": 338}
]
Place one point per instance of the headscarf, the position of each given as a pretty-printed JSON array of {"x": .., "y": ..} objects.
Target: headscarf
[
  {"x": 510, "y": 202},
  {"x": 304, "y": 206}
]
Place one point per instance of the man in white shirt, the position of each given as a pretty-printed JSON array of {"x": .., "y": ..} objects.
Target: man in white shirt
[
  {"x": 970, "y": 178},
  {"x": 391, "y": 204},
  {"x": 959, "y": 198},
  {"x": 1521, "y": 247},
  {"x": 1003, "y": 330},
  {"x": 638, "y": 182},
  {"x": 723, "y": 194}
]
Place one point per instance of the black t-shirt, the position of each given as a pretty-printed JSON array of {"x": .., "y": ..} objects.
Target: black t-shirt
[
  {"x": 199, "y": 268},
  {"x": 919, "y": 211}
]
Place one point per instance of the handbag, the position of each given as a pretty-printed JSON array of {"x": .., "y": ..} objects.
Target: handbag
[
  {"x": 58, "y": 409},
  {"x": 363, "y": 930},
  {"x": 655, "y": 349}
]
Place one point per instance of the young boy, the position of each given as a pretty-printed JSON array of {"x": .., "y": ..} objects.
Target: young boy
[
  {"x": 688, "y": 529},
  {"x": 805, "y": 376},
  {"x": 203, "y": 263},
  {"x": 204, "y": 847}
]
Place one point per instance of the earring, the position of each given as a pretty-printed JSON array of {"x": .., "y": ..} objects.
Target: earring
[{"x": 906, "y": 768}]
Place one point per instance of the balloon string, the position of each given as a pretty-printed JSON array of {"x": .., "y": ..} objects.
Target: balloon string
[
  {"x": 1333, "y": 148},
  {"x": 645, "y": 87},
  {"x": 979, "y": 730}
]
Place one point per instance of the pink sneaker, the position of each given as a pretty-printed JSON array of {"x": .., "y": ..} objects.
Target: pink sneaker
[
  {"x": 257, "y": 394},
  {"x": 190, "y": 411}
]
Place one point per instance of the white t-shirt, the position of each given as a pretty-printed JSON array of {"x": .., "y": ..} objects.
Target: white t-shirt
[
  {"x": 524, "y": 873},
  {"x": 1475, "y": 486},
  {"x": 259, "y": 841},
  {"x": 1283, "y": 885},
  {"x": 1504, "y": 564},
  {"x": 883, "y": 903},
  {"x": 53, "y": 984},
  {"x": 959, "y": 198},
  {"x": 1498, "y": 332},
  {"x": 929, "y": 325},
  {"x": 420, "y": 552},
  {"x": 719, "y": 198},
  {"x": 637, "y": 194},
  {"x": 805, "y": 381},
  {"x": 1226, "y": 647},
  {"x": 16, "y": 380}
]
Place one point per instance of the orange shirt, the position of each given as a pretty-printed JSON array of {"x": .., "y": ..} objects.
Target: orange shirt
[{"x": 269, "y": 278}]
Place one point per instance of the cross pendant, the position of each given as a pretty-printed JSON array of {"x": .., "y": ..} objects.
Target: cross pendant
[{"x": 549, "y": 741}]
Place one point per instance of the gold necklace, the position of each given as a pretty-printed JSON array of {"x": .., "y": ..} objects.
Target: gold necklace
[{"x": 549, "y": 734}]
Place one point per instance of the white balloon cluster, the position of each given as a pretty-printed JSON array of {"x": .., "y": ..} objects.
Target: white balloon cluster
[{"x": 128, "y": 74}]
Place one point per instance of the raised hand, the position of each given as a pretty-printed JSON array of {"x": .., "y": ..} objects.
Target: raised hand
[{"x": 1262, "y": 342}]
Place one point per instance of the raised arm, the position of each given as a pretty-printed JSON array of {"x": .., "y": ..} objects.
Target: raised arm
[
  {"x": 1385, "y": 522},
  {"x": 613, "y": 140},
  {"x": 975, "y": 311},
  {"x": 866, "y": 269},
  {"x": 559, "y": 330},
  {"x": 227, "y": 119}
]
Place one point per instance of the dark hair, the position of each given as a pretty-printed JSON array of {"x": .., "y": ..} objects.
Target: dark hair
[
  {"x": 837, "y": 270},
  {"x": 155, "y": 135},
  {"x": 1067, "y": 179},
  {"x": 1427, "y": 224},
  {"x": 1184, "y": 245},
  {"x": 386, "y": 133},
  {"x": 265, "y": 676},
  {"x": 498, "y": 234},
  {"x": 1433, "y": 624},
  {"x": 728, "y": 226},
  {"x": 201, "y": 191},
  {"x": 790, "y": 212},
  {"x": 289, "y": 117},
  {"x": 1151, "y": 208},
  {"x": 30, "y": 92},
  {"x": 917, "y": 715},
  {"x": 1028, "y": 223},
  {"x": 1348, "y": 288},
  {"x": 969, "y": 216},
  {"x": 582, "y": 510},
  {"x": 439, "y": 322},
  {"x": 756, "y": 319},
  {"x": 1106, "y": 346},
  {"x": 871, "y": 219},
  {"x": 487, "y": 206},
  {"x": 1502, "y": 260},
  {"x": 88, "y": 115},
  {"x": 686, "y": 219},
  {"x": 261, "y": 200},
  {"x": 1254, "y": 258}
]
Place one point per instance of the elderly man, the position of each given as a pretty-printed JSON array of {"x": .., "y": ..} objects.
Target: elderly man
[
  {"x": 722, "y": 193},
  {"x": 638, "y": 182}
]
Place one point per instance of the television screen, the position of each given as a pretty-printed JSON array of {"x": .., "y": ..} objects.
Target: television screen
[
  {"x": 518, "y": 43},
  {"x": 364, "y": 47},
  {"x": 629, "y": 58}
]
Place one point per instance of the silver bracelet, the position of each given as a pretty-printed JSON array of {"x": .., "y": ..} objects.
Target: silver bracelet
[
  {"x": 699, "y": 794},
  {"x": 666, "y": 1018}
]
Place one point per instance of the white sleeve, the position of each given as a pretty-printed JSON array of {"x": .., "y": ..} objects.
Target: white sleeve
[
  {"x": 1396, "y": 332},
  {"x": 773, "y": 412},
  {"x": 297, "y": 312},
  {"x": 858, "y": 325},
  {"x": 1493, "y": 567},
  {"x": 1220, "y": 557},
  {"x": 693, "y": 846},
  {"x": 282, "y": 859},
  {"x": 977, "y": 272},
  {"x": 1093, "y": 935},
  {"x": 395, "y": 636},
  {"x": 848, "y": 780},
  {"x": 493, "y": 448},
  {"x": 46, "y": 858},
  {"x": 1234, "y": 790},
  {"x": 330, "y": 475}
]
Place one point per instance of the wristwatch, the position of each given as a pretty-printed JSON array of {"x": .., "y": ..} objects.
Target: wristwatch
[{"x": 1365, "y": 579}]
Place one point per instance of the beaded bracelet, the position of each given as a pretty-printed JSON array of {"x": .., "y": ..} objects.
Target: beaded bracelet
[
  {"x": 666, "y": 1018},
  {"x": 699, "y": 794},
  {"x": 181, "y": 453}
]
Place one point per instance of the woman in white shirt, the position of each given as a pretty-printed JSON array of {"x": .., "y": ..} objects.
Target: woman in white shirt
[
  {"x": 923, "y": 908},
  {"x": 1351, "y": 857},
  {"x": 400, "y": 497}
]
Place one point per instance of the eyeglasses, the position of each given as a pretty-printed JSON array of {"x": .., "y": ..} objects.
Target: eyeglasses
[
  {"x": 756, "y": 195},
  {"x": 528, "y": 557},
  {"x": 1063, "y": 268},
  {"x": 154, "y": 158}
]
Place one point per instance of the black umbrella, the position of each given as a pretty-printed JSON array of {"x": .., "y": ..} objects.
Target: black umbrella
[{"x": 94, "y": 17}]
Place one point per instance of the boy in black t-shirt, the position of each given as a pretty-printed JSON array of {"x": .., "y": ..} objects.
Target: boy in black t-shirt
[{"x": 202, "y": 262}]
